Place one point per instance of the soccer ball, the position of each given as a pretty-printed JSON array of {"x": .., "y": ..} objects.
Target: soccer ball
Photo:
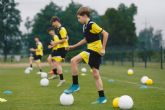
[
  {"x": 149, "y": 82},
  {"x": 144, "y": 79},
  {"x": 66, "y": 99},
  {"x": 44, "y": 82},
  {"x": 84, "y": 70},
  {"x": 44, "y": 75},
  {"x": 125, "y": 102},
  {"x": 115, "y": 102},
  {"x": 27, "y": 71},
  {"x": 130, "y": 72}
]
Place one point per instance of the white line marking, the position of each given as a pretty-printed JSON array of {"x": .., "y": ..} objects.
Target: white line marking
[{"x": 134, "y": 83}]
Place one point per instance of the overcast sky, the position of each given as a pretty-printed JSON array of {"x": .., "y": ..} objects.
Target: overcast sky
[{"x": 150, "y": 11}]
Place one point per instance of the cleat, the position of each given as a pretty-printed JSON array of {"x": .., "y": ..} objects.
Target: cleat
[
  {"x": 72, "y": 89},
  {"x": 53, "y": 77},
  {"x": 100, "y": 100},
  {"x": 61, "y": 82}
]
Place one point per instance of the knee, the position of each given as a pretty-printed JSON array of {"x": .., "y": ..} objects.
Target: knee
[
  {"x": 96, "y": 74},
  {"x": 73, "y": 61}
]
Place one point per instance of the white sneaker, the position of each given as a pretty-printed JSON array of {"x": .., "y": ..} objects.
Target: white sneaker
[
  {"x": 61, "y": 82},
  {"x": 53, "y": 77},
  {"x": 30, "y": 68},
  {"x": 39, "y": 73}
]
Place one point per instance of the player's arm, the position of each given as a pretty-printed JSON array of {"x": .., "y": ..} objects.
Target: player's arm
[
  {"x": 97, "y": 30},
  {"x": 38, "y": 49},
  {"x": 105, "y": 38},
  {"x": 32, "y": 49},
  {"x": 83, "y": 41},
  {"x": 51, "y": 45}
]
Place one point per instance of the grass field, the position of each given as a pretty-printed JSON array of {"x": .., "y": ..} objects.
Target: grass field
[{"x": 29, "y": 95}]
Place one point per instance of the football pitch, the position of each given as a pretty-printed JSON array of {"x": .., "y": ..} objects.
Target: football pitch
[{"x": 29, "y": 95}]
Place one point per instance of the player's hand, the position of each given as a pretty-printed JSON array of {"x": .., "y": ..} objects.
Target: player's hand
[
  {"x": 49, "y": 46},
  {"x": 102, "y": 52},
  {"x": 71, "y": 47},
  {"x": 31, "y": 49},
  {"x": 53, "y": 43}
]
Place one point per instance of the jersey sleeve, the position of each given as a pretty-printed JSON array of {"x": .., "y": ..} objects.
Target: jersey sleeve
[
  {"x": 96, "y": 29},
  {"x": 63, "y": 33}
]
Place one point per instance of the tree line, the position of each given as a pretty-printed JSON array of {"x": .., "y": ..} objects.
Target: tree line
[{"x": 119, "y": 22}]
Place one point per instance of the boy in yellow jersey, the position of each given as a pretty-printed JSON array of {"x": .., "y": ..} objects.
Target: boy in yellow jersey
[
  {"x": 92, "y": 56},
  {"x": 37, "y": 54},
  {"x": 57, "y": 57}
]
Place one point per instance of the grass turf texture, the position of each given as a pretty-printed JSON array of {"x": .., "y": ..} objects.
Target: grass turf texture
[{"x": 29, "y": 95}]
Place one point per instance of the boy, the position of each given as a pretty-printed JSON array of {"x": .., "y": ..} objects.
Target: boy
[
  {"x": 37, "y": 54},
  {"x": 92, "y": 56},
  {"x": 56, "y": 55}
]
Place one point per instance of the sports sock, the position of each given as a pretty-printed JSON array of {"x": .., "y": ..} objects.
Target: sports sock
[
  {"x": 75, "y": 79},
  {"x": 101, "y": 93},
  {"x": 55, "y": 71},
  {"x": 61, "y": 77}
]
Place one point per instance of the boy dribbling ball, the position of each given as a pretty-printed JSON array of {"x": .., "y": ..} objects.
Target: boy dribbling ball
[
  {"x": 61, "y": 43},
  {"x": 92, "y": 55},
  {"x": 36, "y": 55}
]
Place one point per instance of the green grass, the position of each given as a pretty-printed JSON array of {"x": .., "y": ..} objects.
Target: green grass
[{"x": 29, "y": 95}]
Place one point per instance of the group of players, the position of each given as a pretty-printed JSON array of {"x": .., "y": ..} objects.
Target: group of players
[{"x": 59, "y": 46}]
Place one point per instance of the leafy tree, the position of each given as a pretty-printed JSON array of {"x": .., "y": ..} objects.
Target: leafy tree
[
  {"x": 42, "y": 23},
  {"x": 9, "y": 27},
  {"x": 69, "y": 20},
  {"x": 149, "y": 39},
  {"x": 145, "y": 38},
  {"x": 120, "y": 24},
  {"x": 157, "y": 40}
]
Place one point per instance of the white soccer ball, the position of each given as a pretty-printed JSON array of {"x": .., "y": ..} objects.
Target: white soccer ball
[
  {"x": 30, "y": 68},
  {"x": 44, "y": 82},
  {"x": 66, "y": 99},
  {"x": 144, "y": 79},
  {"x": 44, "y": 75},
  {"x": 130, "y": 72},
  {"x": 27, "y": 71},
  {"x": 84, "y": 70},
  {"x": 125, "y": 102}
]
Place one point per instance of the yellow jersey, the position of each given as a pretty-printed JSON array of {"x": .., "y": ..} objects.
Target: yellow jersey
[
  {"x": 91, "y": 33},
  {"x": 55, "y": 39},
  {"x": 39, "y": 49},
  {"x": 62, "y": 34}
]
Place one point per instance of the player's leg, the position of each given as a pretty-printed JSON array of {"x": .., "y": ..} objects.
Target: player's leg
[
  {"x": 49, "y": 60},
  {"x": 74, "y": 67},
  {"x": 38, "y": 62},
  {"x": 31, "y": 63},
  {"x": 99, "y": 86},
  {"x": 54, "y": 75},
  {"x": 59, "y": 71}
]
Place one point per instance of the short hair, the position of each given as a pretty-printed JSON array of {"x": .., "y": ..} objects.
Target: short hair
[
  {"x": 51, "y": 29},
  {"x": 37, "y": 37},
  {"x": 83, "y": 11},
  {"x": 54, "y": 19}
]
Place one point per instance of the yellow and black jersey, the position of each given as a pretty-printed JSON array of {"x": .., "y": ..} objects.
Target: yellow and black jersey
[
  {"x": 62, "y": 34},
  {"x": 55, "y": 39},
  {"x": 91, "y": 33},
  {"x": 39, "y": 49}
]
